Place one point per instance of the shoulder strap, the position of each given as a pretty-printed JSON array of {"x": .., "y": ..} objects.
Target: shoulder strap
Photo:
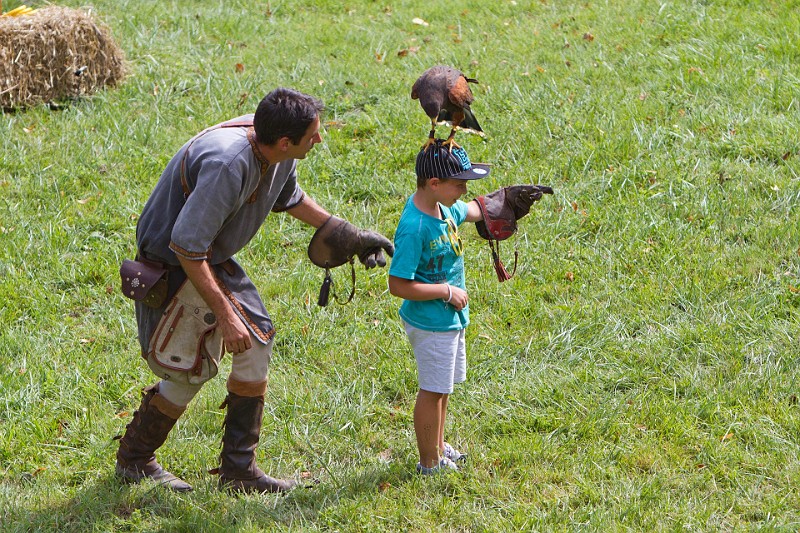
[{"x": 229, "y": 124}]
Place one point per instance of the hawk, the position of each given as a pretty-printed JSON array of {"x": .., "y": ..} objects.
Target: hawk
[{"x": 445, "y": 96}]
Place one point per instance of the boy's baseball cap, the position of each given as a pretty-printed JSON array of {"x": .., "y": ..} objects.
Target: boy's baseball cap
[{"x": 439, "y": 162}]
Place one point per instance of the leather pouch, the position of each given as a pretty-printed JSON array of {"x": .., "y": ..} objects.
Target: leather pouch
[
  {"x": 144, "y": 281},
  {"x": 184, "y": 346}
]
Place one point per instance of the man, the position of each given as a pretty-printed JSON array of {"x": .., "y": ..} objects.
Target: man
[{"x": 210, "y": 201}]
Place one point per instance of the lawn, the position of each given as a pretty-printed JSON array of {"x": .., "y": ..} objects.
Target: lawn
[{"x": 638, "y": 373}]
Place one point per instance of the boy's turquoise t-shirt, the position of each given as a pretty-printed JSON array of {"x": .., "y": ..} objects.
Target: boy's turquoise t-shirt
[{"x": 424, "y": 253}]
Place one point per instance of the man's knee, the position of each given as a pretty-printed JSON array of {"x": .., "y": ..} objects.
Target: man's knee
[{"x": 252, "y": 365}]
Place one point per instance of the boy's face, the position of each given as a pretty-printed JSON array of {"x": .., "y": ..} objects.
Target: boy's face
[{"x": 449, "y": 190}]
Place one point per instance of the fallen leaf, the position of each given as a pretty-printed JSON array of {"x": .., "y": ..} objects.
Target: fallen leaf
[
  {"x": 239, "y": 67},
  {"x": 575, "y": 206},
  {"x": 569, "y": 276},
  {"x": 305, "y": 475},
  {"x": 588, "y": 37},
  {"x": 419, "y": 22},
  {"x": 386, "y": 455},
  {"x": 727, "y": 436},
  {"x": 384, "y": 486},
  {"x": 410, "y": 50},
  {"x": 84, "y": 201},
  {"x": 793, "y": 289},
  {"x": 123, "y": 414}
]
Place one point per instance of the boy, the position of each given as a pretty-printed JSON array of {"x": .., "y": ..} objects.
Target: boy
[{"x": 427, "y": 271}]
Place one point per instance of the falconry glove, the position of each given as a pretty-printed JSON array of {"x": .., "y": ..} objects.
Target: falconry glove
[
  {"x": 501, "y": 209},
  {"x": 337, "y": 242}
]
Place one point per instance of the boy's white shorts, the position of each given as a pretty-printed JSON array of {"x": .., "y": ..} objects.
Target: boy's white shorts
[{"x": 441, "y": 357}]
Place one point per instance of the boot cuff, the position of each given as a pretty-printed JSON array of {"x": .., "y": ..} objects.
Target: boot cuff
[
  {"x": 167, "y": 407},
  {"x": 249, "y": 389}
]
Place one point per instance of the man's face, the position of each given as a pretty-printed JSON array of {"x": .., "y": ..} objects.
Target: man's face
[{"x": 311, "y": 137}]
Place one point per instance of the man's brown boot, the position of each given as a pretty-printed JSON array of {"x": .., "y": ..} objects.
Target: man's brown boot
[
  {"x": 152, "y": 422},
  {"x": 238, "y": 471}
]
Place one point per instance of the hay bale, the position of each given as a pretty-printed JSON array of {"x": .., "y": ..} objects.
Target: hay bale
[{"x": 54, "y": 54}]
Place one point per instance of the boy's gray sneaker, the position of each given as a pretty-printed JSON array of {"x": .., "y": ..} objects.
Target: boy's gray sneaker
[
  {"x": 453, "y": 454},
  {"x": 445, "y": 466}
]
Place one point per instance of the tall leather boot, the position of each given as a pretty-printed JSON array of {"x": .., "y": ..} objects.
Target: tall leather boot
[
  {"x": 152, "y": 422},
  {"x": 238, "y": 471}
]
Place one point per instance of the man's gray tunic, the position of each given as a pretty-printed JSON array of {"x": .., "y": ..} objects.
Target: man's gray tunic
[{"x": 232, "y": 193}]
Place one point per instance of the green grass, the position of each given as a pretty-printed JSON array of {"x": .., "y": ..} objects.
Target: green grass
[{"x": 639, "y": 373}]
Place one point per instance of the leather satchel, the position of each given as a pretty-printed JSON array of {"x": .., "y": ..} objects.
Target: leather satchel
[
  {"x": 144, "y": 281},
  {"x": 184, "y": 346}
]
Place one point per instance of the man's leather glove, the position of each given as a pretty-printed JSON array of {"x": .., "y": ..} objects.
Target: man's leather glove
[
  {"x": 502, "y": 208},
  {"x": 337, "y": 241}
]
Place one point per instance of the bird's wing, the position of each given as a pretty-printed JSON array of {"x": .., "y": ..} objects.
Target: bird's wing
[
  {"x": 415, "y": 88},
  {"x": 459, "y": 91}
]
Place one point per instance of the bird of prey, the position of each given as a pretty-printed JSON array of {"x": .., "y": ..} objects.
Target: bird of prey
[{"x": 445, "y": 96}]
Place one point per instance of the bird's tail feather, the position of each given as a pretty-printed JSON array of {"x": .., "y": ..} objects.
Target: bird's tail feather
[{"x": 470, "y": 122}]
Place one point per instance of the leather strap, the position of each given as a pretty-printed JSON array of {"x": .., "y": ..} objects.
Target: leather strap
[{"x": 231, "y": 124}]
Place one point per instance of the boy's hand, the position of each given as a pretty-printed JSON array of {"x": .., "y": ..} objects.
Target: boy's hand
[
  {"x": 502, "y": 208},
  {"x": 458, "y": 298}
]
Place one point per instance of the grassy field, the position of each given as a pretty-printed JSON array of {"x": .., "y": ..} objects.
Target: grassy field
[{"x": 640, "y": 371}]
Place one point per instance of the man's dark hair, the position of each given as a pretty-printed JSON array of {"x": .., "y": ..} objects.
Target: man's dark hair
[{"x": 285, "y": 113}]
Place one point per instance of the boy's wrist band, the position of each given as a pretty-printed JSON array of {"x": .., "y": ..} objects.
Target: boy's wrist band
[{"x": 449, "y": 294}]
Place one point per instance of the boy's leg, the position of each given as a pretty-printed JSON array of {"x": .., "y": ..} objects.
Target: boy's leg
[
  {"x": 442, "y": 417},
  {"x": 427, "y": 426}
]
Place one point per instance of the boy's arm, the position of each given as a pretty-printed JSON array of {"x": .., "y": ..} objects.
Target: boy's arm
[
  {"x": 473, "y": 212},
  {"x": 408, "y": 289}
]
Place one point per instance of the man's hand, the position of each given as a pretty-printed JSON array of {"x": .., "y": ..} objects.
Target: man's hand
[
  {"x": 336, "y": 241},
  {"x": 235, "y": 334},
  {"x": 370, "y": 246}
]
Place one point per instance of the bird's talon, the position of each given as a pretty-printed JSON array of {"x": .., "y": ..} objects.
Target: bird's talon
[{"x": 451, "y": 144}]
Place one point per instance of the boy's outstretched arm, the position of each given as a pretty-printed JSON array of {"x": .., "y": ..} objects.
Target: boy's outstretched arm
[
  {"x": 474, "y": 212},
  {"x": 409, "y": 289}
]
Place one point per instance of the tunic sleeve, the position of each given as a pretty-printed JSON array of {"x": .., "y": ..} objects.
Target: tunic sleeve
[
  {"x": 291, "y": 194},
  {"x": 214, "y": 199}
]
